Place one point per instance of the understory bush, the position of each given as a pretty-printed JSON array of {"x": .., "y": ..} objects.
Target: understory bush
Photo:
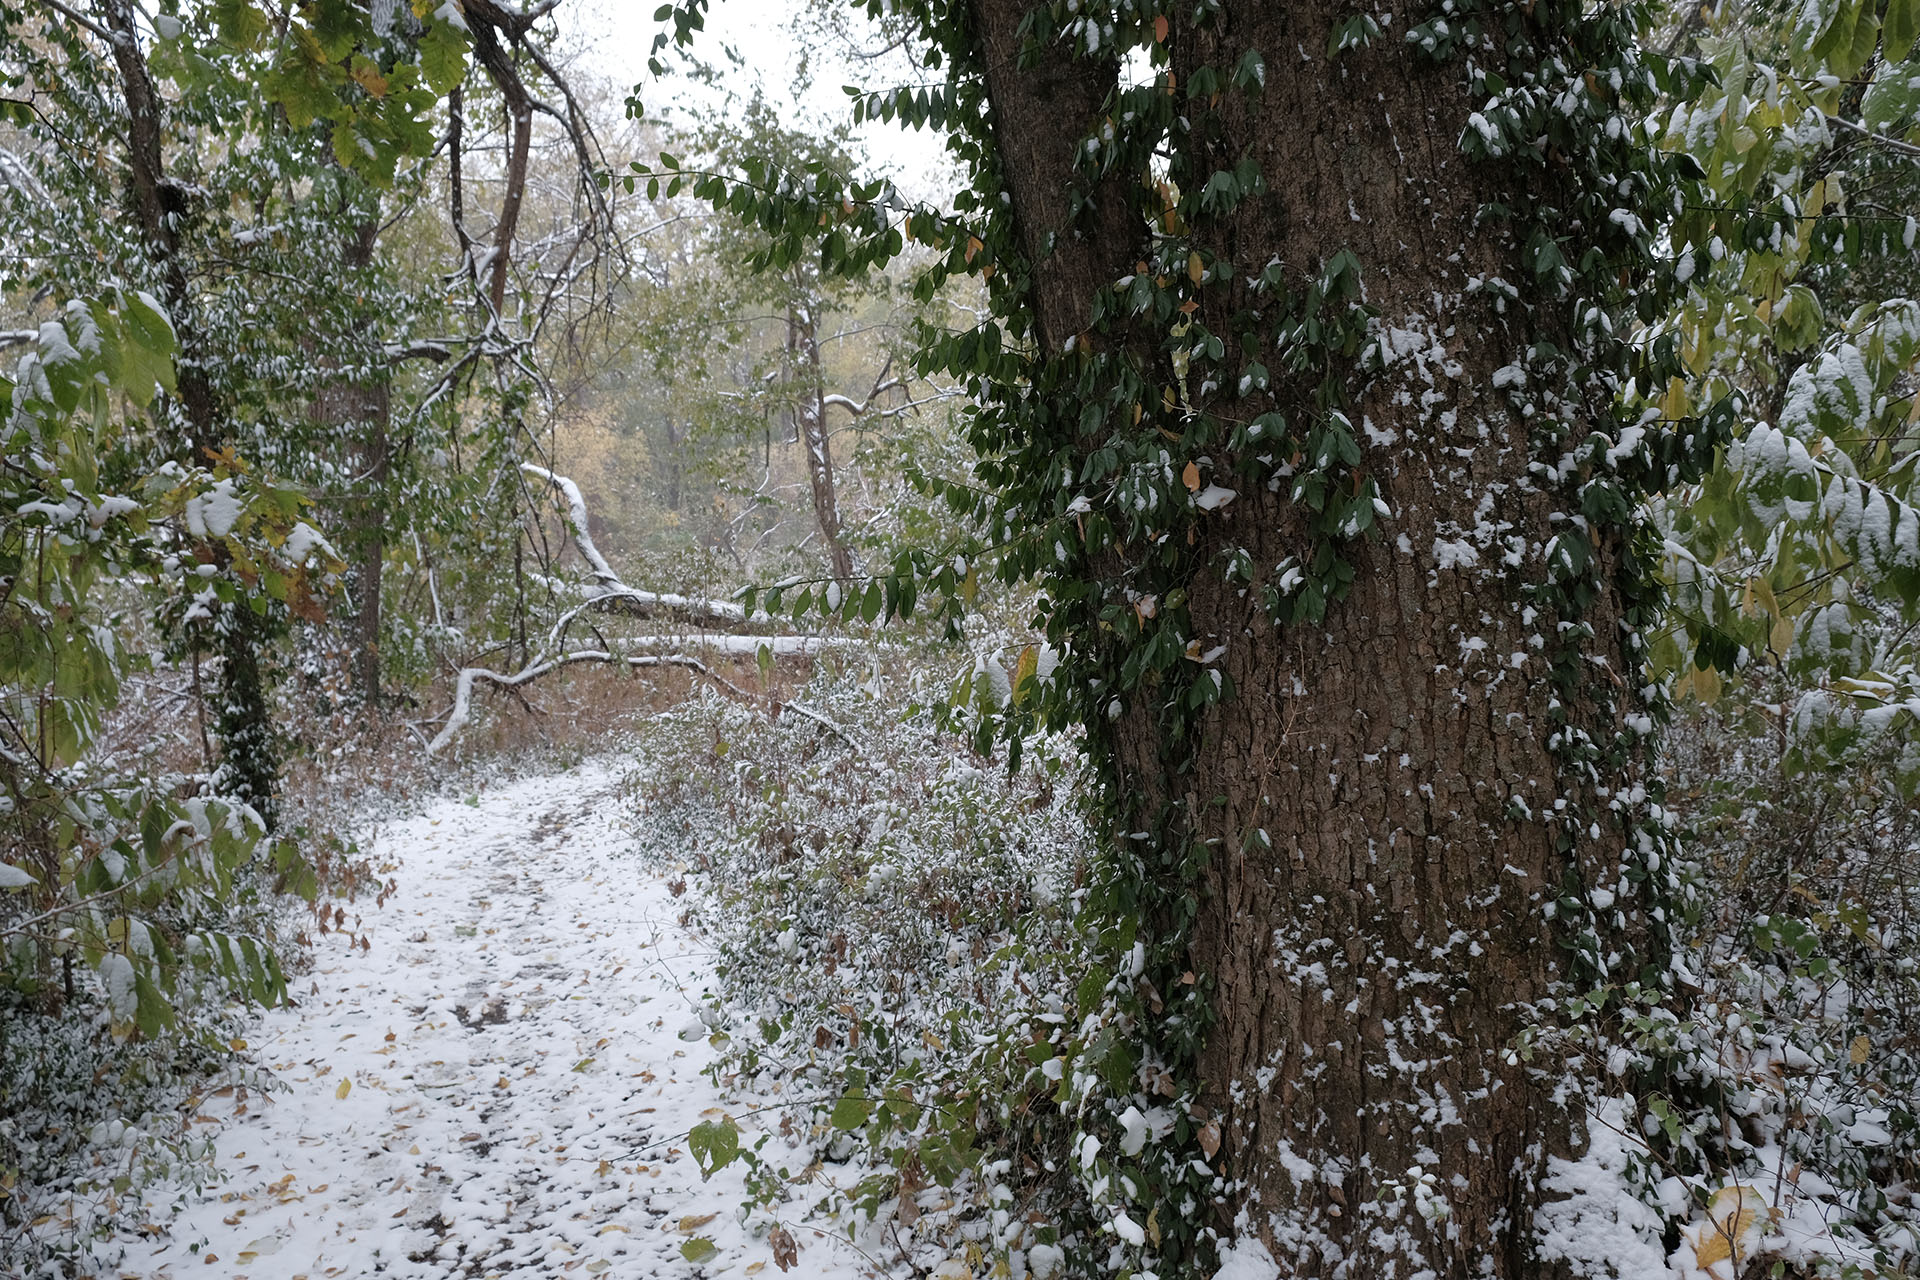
[
  {"x": 898, "y": 914},
  {"x": 1804, "y": 1027}
]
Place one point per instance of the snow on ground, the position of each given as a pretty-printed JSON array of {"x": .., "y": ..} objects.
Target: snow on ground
[{"x": 503, "y": 1084}]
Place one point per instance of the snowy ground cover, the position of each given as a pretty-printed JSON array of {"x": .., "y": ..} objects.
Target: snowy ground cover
[
  {"x": 500, "y": 1081},
  {"x": 894, "y": 920}
]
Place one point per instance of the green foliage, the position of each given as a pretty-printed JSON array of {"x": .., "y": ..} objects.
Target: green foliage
[
  {"x": 374, "y": 93},
  {"x": 1799, "y": 305},
  {"x": 112, "y": 871},
  {"x": 1803, "y": 1032},
  {"x": 123, "y": 898}
]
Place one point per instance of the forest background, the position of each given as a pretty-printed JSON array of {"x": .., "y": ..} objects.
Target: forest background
[{"x": 396, "y": 390}]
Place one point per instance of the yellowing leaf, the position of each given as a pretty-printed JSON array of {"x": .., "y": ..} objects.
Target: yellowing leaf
[
  {"x": 1732, "y": 1228},
  {"x": 346, "y": 1086},
  {"x": 693, "y": 1223},
  {"x": 1196, "y": 269},
  {"x": 1024, "y": 670},
  {"x": 1858, "y": 1051},
  {"x": 1780, "y": 638},
  {"x": 369, "y": 78}
]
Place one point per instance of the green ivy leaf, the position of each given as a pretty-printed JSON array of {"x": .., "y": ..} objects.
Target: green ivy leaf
[{"x": 714, "y": 1144}]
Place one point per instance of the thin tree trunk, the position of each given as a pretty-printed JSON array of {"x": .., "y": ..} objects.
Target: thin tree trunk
[
  {"x": 358, "y": 407},
  {"x": 498, "y": 61},
  {"x": 673, "y": 467},
  {"x": 810, "y": 422}
]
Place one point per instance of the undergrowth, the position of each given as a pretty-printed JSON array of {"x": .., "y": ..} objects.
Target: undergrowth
[{"x": 898, "y": 916}]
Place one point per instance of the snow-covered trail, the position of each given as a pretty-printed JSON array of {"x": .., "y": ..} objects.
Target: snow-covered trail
[{"x": 502, "y": 1084}]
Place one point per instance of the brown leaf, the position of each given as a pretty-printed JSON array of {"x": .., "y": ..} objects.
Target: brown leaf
[
  {"x": 1191, "y": 477},
  {"x": 1210, "y": 1138},
  {"x": 785, "y": 1252},
  {"x": 1160, "y": 27}
]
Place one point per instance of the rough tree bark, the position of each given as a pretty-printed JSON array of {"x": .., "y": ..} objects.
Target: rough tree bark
[{"x": 1371, "y": 913}]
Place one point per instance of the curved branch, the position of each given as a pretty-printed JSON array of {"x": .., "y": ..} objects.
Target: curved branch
[{"x": 463, "y": 688}]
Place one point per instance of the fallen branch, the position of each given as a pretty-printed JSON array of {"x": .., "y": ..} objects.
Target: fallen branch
[
  {"x": 463, "y": 688},
  {"x": 610, "y": 590},
  {"x": 607, "y": 590}
]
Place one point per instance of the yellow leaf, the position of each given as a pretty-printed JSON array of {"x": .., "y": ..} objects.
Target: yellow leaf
[
  {"x": 369, "y": 78},
  {"x": 974, "y": 246},
  {"x": 345, "y": 1087},
  {"x": 1780, "y": 639},
  {"x": 1732, "y": 1227},
  {"x": 1196, "y": 269},
  {"x": 692, "y": 1223},
  {"x": 1024, "y": 670},
  {"x": 1857, "y": 1052},
  {"x": 1676, "y": 403},
  {"x": 1191, "y": 477},
  {"x": 1703, "y": 683}
]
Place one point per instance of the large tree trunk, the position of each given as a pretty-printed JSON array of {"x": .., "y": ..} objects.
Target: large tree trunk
[{"x": 1380, "y": 800}]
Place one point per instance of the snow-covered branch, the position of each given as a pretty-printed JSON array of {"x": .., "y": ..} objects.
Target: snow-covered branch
[
  {"x": 607, "y": 590},
  {"x": 610, "y": 592},
  {"x": 463, "y": 689}
]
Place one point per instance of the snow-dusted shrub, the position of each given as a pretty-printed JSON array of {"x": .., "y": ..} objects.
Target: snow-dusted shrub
[
  {"x": 899, "y": 914},
  {"x": 1801, "y": 1054},
  {"x": 94, "y": 1127}
]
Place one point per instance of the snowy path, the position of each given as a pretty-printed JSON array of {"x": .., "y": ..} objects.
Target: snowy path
[{"x": 499, "y": 1086}]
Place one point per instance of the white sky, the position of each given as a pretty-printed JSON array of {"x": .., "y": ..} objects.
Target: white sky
[{"x": 619, "y": 34}]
